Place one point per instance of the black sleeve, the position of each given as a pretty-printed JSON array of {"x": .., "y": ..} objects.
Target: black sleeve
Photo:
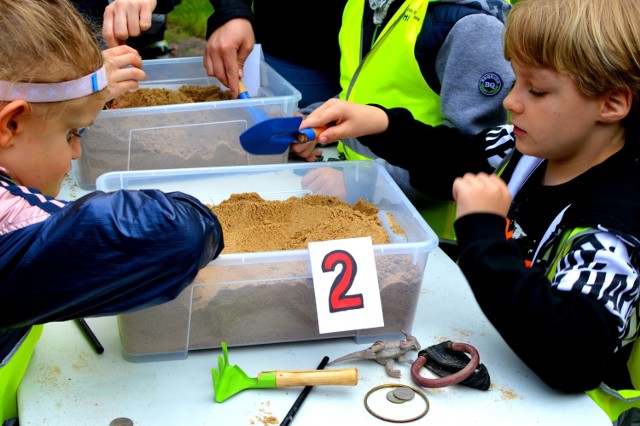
[
  {"x": 226, "y": 10},
  {"x": 164, "y": 6},
  {"x": 565, "y": 337},
  {"x": 433, "y": 156}
]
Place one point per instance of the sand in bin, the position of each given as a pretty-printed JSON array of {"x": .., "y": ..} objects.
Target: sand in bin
[
  {"x": 272, "y": 302},
  {"x": 154, "y": 96},
  {"x": 176, "y": 138},
  {"x": 252, "y": 224}
]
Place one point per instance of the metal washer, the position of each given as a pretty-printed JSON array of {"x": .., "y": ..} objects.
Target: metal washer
[{"x": 396, "y": 385}]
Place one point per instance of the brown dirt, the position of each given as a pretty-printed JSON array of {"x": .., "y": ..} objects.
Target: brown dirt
[{"x": 155, "y": 96}]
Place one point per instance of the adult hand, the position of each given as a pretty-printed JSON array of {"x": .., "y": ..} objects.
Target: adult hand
[
  {"x": 124, "y": 69},
  {"x": 481, "y": 193},
  {"x": 227, "y": 50},
  {"x": 126, "y": 18}
]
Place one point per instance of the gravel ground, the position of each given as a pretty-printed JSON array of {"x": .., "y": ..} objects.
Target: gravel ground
[{"x": 187, "y": 46}]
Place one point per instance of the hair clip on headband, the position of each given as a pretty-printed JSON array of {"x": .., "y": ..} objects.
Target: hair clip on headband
[{"x": 55, "y": 92}]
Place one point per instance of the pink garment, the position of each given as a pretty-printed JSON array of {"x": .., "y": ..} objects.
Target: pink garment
[{"x": 17, "y": 212}]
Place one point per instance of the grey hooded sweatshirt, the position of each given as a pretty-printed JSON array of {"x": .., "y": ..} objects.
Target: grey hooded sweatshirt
[{"x": 460, "y": 54}]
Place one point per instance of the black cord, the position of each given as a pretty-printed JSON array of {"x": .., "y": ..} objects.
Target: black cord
[
  {"x": 88, "y": 333},
  {"x": 296, "y": 405}
]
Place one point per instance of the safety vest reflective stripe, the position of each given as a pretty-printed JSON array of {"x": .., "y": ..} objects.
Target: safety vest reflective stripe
[{"x": 615, "y": 403}]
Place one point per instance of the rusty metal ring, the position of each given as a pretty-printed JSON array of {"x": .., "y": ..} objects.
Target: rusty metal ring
[
  {"x": 396, "y": 385},
  {"x": 451, "y": 379}
]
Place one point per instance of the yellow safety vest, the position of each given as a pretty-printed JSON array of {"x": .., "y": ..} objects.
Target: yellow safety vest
[
  {"x": 12, "y": 372},
  {"x": 616, "y": 402},
  {"x": 390, "y": 67},
  {"x": 383, "y": 77}
]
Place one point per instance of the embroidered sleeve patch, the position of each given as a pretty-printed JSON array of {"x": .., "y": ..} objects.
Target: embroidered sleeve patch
[{"x": 490, "y": 84}]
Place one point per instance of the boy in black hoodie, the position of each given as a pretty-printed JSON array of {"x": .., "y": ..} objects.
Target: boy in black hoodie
[{"x": 561, "y": 284}]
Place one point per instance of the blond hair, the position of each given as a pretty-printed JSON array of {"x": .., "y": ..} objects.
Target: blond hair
[
  {"x": 595, "y": 42},
  {"x": 45, "y": 41}
]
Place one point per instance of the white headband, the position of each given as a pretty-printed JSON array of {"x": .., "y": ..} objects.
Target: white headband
[{"x": 54, "y": 92}]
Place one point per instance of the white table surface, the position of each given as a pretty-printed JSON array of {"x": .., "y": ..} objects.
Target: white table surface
[{"x": 68, "y": 383}]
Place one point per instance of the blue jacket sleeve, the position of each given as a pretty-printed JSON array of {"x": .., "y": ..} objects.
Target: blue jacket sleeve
[{"x": 104, "y": 254}]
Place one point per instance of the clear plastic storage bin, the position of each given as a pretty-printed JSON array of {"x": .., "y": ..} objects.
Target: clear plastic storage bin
[
  {"x": 268, "y": 297},
  {"x": 202, "y": 134}
]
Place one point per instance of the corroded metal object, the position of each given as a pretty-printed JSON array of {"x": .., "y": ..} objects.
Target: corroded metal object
[{"x": 449, "y": 361}]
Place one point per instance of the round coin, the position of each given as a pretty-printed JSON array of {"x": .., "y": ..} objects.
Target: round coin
[
  {"x": 391, "y": 397},
  {"x": 121, "y": 421},
  {"x": 404, "y": 394}
]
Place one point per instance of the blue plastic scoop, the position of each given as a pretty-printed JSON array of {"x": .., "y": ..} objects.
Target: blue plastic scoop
[{"x": 271, "y": 136}]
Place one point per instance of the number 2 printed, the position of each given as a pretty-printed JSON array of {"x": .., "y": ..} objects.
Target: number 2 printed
[{"x": 338, "y": 298}]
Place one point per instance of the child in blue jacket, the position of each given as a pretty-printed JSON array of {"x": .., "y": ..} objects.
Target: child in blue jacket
[{"x": 105, "y": 253}]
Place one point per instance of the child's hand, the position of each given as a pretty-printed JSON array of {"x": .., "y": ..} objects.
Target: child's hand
[
  {"x": 124, "y": 69},
  {"x": 325, "y": 181},
  {"x": 345, "y": 119},
  {"x": 481, "y": 193},
  {"x": 305, "y": 150}
]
